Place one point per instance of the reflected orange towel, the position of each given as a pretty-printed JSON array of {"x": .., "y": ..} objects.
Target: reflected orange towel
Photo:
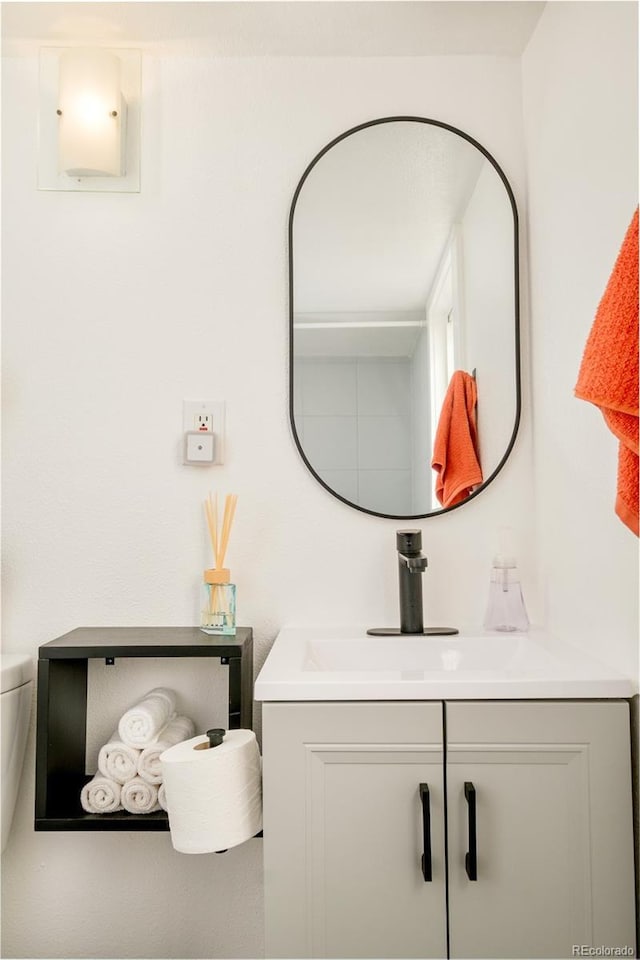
[
  {"x": 609, "y": 371},
  {"x": 455, "y": 449}
]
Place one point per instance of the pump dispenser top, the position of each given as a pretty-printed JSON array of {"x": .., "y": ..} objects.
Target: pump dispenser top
[{"x": 505, "y": 557}]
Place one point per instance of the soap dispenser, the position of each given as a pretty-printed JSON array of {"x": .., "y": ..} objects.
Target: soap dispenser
[{"x": 506, "y": 610}]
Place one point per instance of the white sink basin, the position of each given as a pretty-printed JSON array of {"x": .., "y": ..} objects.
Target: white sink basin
[
  {"x": 428, "y": 654},
  {"x": 313, "y": 663}
]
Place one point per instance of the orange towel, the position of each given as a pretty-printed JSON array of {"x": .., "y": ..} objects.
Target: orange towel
[
  {"x": 455, "y": 449},
  {"x": 609, "y": 371}
]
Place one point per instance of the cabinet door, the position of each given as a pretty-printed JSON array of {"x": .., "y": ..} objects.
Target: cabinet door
[
  {"x": 344, "y": 830},
  {"x": 553, "y": 828}
]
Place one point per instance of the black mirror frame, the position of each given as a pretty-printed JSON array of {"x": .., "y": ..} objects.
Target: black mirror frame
[{"x": 516, "y": 258}]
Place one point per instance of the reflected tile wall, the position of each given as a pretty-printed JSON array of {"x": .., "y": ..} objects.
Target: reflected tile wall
[{"x": 353, "y": 419}]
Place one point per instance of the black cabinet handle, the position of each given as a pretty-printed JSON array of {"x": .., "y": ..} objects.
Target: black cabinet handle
[
  {"x": 471, "y": 857},
  {"x": 426, "y": 831}
]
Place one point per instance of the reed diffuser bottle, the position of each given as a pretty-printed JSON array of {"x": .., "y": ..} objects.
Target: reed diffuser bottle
[{"x": 218, "y": 604}]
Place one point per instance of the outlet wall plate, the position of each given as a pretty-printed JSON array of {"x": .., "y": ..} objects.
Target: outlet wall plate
[{"x": 205, "y": 417}]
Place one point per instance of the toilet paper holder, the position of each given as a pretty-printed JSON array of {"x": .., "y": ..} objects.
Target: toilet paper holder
[{"x": 216, "y": 736}]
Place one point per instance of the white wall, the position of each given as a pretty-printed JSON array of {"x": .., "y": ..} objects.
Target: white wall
[
  {"x": 116, "y": 307},
  {"x": 580, "y": 108}
]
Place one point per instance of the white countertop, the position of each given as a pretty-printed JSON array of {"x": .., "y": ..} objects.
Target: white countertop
[{"x": 343, "y": 663}]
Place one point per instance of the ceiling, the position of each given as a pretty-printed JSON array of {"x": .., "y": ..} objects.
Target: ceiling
[{"x": 274, "y": 28}]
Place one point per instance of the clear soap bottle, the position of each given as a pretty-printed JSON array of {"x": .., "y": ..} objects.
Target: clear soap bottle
[{"x": 505, "y": 610}]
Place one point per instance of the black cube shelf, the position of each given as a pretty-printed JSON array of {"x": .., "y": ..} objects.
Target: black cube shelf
[{"x": 62, "y": 711}]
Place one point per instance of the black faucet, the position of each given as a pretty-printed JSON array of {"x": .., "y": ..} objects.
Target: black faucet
[{"x": 411, "y": 565}]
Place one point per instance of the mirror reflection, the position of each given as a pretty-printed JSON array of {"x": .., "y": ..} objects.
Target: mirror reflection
[{"x": 405, "y": 391}]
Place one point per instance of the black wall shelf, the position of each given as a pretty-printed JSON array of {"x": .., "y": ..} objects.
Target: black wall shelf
[{"x": 62, "y": 711}]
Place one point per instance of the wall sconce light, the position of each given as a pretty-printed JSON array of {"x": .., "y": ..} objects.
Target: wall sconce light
[
  {"x": 89, "y": 120},
  {"x": 91, "y": 114}
]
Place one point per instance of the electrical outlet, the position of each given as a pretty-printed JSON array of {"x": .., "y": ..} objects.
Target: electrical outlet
[
  {"x": 205, "y": 417},
  {"x": 204, "y": 423}
]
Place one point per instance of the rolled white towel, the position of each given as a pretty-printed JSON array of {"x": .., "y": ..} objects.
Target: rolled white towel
[
  {"x": 101, "y": 795},
  {"x": 142, "y": 723},
  {"x": 138, "y": 796},
  {"x": 118, "y": 761},
  {"x": 149, "y": 766},
  {"x": 162, "y": 797}
]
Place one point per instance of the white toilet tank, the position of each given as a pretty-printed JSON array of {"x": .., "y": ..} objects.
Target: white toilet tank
[{"x": 16, "y": 672}]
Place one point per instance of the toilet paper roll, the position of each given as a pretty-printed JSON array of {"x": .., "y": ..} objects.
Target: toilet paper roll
[{"x": 213, "y": 794}]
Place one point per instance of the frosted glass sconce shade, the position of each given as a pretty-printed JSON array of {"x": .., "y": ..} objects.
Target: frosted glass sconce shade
[
  {"x": 91, "y": 114},
  {"x": 89, "y": 119}
]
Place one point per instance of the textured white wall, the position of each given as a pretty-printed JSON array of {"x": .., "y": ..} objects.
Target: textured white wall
[
  {"x": 115, "y": 308},
  {"x": 580, "y": 107}
]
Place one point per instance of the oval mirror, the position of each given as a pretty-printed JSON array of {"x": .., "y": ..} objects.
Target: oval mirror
[{"x": 404, "y": 328}]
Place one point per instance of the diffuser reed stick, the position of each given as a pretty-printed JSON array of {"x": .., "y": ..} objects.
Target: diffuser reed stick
[{"x": 229, "y": 512}]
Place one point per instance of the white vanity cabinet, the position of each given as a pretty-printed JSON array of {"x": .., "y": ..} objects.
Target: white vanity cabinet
[
  {"x": 554, "y": 827},
  {"x": 343, "y": 829},
  {"x": 349, "y": 831}
]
